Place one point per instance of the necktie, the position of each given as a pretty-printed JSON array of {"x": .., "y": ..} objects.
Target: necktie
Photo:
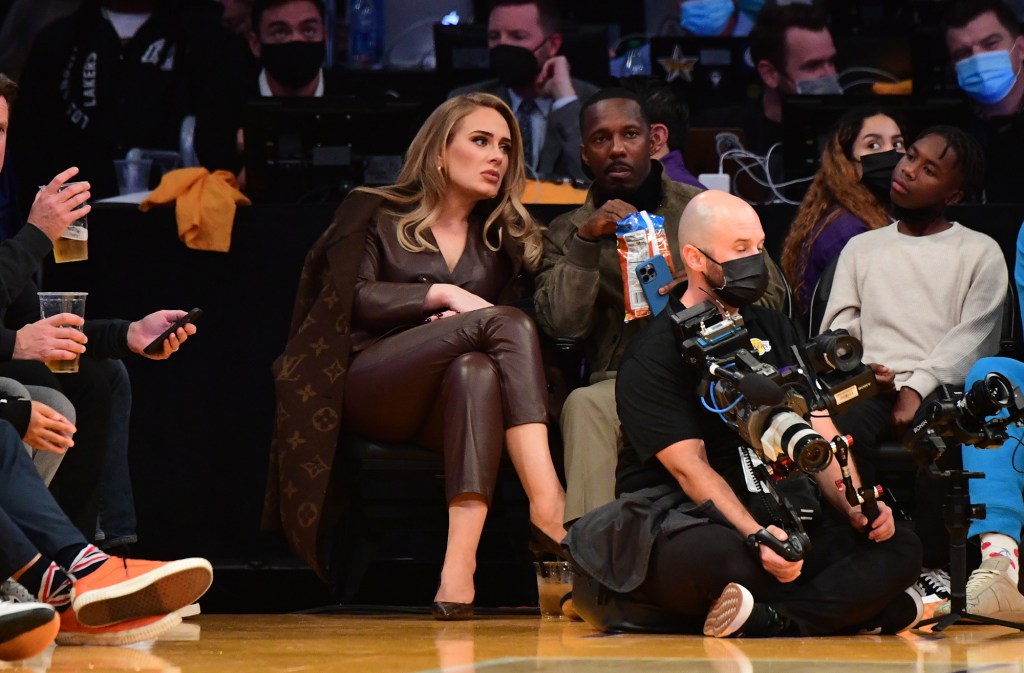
[{"x": 523, "y": 114}]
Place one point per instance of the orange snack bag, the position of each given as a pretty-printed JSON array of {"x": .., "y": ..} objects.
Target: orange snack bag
[{"x": 640, "y": 236}]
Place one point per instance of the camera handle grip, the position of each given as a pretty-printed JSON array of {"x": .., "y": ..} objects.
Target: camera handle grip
[
  {"x": 869, "y": 504},
  {"x": 793, "y": 549}
]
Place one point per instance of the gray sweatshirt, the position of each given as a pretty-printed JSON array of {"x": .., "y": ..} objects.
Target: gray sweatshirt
[{"x": 926, "y": 307}]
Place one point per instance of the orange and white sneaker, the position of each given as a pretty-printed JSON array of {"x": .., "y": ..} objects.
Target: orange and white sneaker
[
  {"x": 125, "y": 589},
  {"x": 123, "y": 633},
  {"x": 26, "y": 629}
]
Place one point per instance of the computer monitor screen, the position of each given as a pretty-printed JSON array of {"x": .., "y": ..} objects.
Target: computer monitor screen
[
  {"x": 710, "y": 72},
  {"x": 319, "y": 148},
  {"x": 809, "y": 121},
  {"x": 462, "y": 54}
]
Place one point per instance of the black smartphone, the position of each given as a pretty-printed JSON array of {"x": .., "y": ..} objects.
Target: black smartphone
[{"x": 157, "y": 344}]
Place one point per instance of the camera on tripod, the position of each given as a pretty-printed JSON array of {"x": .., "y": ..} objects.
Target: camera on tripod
[
  {"x": 769, "y": 407},
  {"x": 952, "y": 416}
]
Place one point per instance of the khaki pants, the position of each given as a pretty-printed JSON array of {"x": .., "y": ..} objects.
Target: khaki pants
[{"x": 590, "y": 431}]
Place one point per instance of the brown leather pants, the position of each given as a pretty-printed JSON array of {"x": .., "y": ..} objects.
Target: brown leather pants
[{"x": 452, "y": 386}]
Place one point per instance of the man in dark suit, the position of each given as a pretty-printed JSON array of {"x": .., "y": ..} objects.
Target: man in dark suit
[{"x": 534, "y": 79}]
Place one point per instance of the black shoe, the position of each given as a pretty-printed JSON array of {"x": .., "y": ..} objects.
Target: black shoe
[
  {"x": 902, "y": 613},
  {"x": 544, "y": 548},
  {"x": 448, "y": 611},
  {"x": 736, "y": 615}
]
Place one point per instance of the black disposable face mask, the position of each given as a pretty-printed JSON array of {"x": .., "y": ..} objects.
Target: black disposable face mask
[
  {"x": 877, "y": 172},
  {"x": 515, "y": 67},
  {"x": 745, "y": 279},
  {"x": 294, "y": 64}
]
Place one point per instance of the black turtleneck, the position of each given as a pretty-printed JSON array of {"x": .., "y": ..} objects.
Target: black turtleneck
[{"x": 648, "y": 195}]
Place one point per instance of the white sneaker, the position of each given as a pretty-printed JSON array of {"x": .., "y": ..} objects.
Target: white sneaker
[
  {"x": 730, "y": 612},
  {"x": 190, "y": 610},
  {"x": 990, "y": 593},
  {"x": 933, "y": 585},
  {"x": 12, "y": 592},
  {"x": 26, "y": 629}
]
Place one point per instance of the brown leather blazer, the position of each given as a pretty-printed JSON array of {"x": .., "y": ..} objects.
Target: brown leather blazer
[{"x": 309, "y": 376}]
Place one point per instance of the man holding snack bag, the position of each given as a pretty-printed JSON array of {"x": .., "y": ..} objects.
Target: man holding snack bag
[{"x": 587, "y": 290}]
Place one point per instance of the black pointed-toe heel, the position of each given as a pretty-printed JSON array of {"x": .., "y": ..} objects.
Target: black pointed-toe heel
[
  {"x": 545, "y": 548},
  {"x": 448, "y": 611}
]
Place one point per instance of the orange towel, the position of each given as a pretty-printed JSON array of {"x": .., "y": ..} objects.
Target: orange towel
[{"x": 204, "y": 205}]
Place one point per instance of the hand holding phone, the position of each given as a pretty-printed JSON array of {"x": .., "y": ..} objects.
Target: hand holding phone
[
  {"x": 653, "y": 275},
  {"x": 157, "y": 345}
]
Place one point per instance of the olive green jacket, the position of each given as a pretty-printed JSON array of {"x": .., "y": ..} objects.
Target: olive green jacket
[{"x": 579, "y": 286}]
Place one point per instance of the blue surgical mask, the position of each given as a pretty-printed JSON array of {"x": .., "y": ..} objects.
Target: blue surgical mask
[
  {"x": 987, "y": 77},
  {"x": 819, "y": 86},
  {"x": 706, "y": 17}
]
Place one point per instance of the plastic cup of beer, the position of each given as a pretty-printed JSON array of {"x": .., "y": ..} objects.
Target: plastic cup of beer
[
  {"x": 554, "y": 581},
  {"x": 55, "y": 303},
  {"x": 73, "y": 244}
]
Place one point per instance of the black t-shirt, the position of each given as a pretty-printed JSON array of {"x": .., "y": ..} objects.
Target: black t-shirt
[{"x": 658, "y": 402}]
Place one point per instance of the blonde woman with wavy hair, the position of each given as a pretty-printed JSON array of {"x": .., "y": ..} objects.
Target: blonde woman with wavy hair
[
  {"x": 441, "y": 354},
  {"x": 849, "y": 196}
]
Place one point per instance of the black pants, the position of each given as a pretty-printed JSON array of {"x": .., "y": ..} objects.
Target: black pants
[
  {"x": 846, "y": 581},
  {"x": 76, "y": 484},
  {"x": 870, "y": 425}
]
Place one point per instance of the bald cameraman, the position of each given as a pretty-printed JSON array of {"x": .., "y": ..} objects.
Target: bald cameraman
[{"x": 685, "y": 543}]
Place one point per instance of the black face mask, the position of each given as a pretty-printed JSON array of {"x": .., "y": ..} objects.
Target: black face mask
[
  {"x": 515, "y": 67},
  {"x": 877, "y": 172},
  {"x": 745, "y": 279},
  {"x": 293, "y": 64}
]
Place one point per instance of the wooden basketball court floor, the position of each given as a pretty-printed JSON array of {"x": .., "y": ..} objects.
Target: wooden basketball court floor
[{"x": 393, "y": 643}]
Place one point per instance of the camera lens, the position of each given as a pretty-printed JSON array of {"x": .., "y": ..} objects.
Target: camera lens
[
  {"x": 836, "y": 350},
  {"x": 987, "y": 396},
  {"x": 798, "y": 440}
]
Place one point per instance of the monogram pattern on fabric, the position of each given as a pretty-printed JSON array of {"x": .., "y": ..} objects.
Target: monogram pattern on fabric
[
  {"x": 307, "y": 323},
  {"x": 309, "y": 380},
  {"x": 319, "y": 346},
  {"x": 295, "y": 441},
  {"x": 290, "y": 367},
  {"x": 325, "y": 419},
  {"x": 335, "y": 370},
  {"x": 315, "y": 467}
]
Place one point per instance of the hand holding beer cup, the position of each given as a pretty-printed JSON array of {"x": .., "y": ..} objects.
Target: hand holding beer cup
[
  {"x": 56, "y": 340},
  {"x": 142, "y": 332},
  {"x": 59, "y": 211}
]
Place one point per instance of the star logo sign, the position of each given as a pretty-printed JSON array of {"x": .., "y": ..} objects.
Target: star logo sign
[{"x": 678, "y": 65}]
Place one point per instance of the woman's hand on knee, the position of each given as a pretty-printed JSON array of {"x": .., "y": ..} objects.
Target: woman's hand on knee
[{"x": 443, "y": 297}]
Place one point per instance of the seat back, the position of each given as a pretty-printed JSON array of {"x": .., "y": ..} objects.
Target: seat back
[{"x": 819, "y": 299}]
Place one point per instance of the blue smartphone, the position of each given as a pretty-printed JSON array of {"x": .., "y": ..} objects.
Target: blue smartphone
[{"x": 653, "y": 274}]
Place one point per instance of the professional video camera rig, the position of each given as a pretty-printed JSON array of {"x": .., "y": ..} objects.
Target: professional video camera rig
[
  {"x": 953, "y": 417},
  {"x": 769, "y": 408}
]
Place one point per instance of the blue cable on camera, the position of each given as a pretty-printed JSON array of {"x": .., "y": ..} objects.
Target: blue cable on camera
[{"x": 721, "y": 412}]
